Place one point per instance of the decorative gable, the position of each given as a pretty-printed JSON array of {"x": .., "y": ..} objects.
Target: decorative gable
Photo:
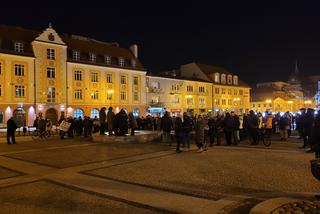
[{"x": 51, "y": 36}]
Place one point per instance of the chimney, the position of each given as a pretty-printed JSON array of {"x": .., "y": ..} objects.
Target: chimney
[{"x": 134, "y": 50}]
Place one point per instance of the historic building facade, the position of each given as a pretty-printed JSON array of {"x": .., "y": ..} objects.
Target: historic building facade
[{"x": 48, "y": 73}]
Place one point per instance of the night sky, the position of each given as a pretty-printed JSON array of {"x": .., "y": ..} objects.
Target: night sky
[{"x": 258, "y": 41}]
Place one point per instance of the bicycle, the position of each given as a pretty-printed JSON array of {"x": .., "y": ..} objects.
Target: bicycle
[
  {"x": 37, "y": 134},
  {"x": 265, "y": 136}
]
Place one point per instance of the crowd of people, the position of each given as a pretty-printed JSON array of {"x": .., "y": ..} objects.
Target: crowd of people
[{"x": 210, "y": 129}]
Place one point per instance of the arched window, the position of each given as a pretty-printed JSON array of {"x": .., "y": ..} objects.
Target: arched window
[
  {"x": 223, "y": 78},
  {"x": 217, "y": 77},
  {"x": 78, "y": 113},
  {"x": 235, "y": 80},
  {"x": 94, "y": 113},
  {"x": 229, "y": 79}
]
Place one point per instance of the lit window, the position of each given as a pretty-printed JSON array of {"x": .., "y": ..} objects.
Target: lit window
[
  {"x": 201, "y": 89},
  {"x": 235, "y": 80},
  {"x": 216, "y": 90},
  {"x": 253, "y": 105},
  {"x": 240, "y": 92},
  {"x": 92, "y": 57},
  {"x": 121, "y": 61},
  {"x": 217, "y": 77},
  {"x": 51, "y": 95},
  {"x": 189, "y": 100},
  {"x": 135, "y": 81},
  {"x": 19, "y": 69},
  {"x": 202, "y": 101},
  {"x": 189, "y": 88},
  {"x": 18, "y": 47},
  {"x": 235, "y": 92},
  {"x": 94, "y": 113},
  {"x": 135, "y": 96},
  {"x": 107, "y": 59},
  {"x": 51, "y": 72},
  {"x": 77, "y": 75},
  {"x": 76, "y": 55},
  {"x": 109, "y": 78},
  {"x": 51, "y": 53},
  {"x": 123, "y": 79},
  {"x": 217, "y": 101},
  {"x": 223, "y": 102},
  {"x": 123, "y": 95},
  {"x": 229, "y": 102},
  {"x": 229, "y": 80},
  {"x": 94, "y": 77},
  {"x": 109, "y": 95},
  {"x": 223, "y": 91},
  {"x": 78, "y": 113},
  {"x": 95, "y": 95},
  {"x": 78, "y": 94},
  {"x": 0, "y": 90},
  {"x": 175, "y": 100},
  {"x": 19, "y": 90},
  {"x": 223, "y": 78},
  {"x": 229, "y": 91}
]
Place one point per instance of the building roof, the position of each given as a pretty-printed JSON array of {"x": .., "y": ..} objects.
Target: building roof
[
  {"x": 211, "y": 69},
  {"x": 177, "y": 77},
  {"x": 264, "y": 93},
  {"x": 11, "y": 34}
]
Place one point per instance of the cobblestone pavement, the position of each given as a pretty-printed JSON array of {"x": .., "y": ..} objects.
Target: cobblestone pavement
[
  {"x": 309, "y": 207},
  {"x": 113, "y": 175}
]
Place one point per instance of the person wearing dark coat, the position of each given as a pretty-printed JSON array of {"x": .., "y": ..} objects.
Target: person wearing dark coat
[
  {"x": 253, "y": 123},
  {"x": 102, "y": 119},
  {"x": 110, "y": 121},
  {"x": 166, "y": 127},
  {"x": 11, "y": 129},
  {"x": 132, "y": 123},
  {"x": 178, "y": 133},
  {"x": 87, "y": 126},
  {"x": 315, "y": 136},
  {"x": 212, "y": 130},
  {"x": 228, "y": 128},
  {"x": 122, "y": 119},
  {"x": 235, "y": 128},
  {"x": 187, "y": 128},
  {"x": 307, "y": 127}
]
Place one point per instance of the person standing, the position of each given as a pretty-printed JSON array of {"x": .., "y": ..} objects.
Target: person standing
[
  {"x": 110, "y": 121},
  {"x": 283, "y": 123},
  {"x": 122, "y": 122},
  {"x": 253, "y": 123},
  {"x": 200, "y": 123},
  {"x": 307, "y": 127},
  {"x": 187, "y": 128},
  {"x": 228, "y": 128},
  {"x": 178, "y": 133},
  {"x": 315, "y": 136},
  {"x": 133, "y": 123},
  {"x": 166, "y": 127},
  {"x": 11, "y": 129},
  {"x": 235, "y": 128},
  {"x": 102, "y": 119},
  {"x": 212, "y": 129}
]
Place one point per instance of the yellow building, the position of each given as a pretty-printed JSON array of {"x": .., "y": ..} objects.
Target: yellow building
[{"x": 48, "y": 73}]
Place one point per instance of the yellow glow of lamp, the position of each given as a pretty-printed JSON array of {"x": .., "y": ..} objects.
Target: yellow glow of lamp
[
  {"x": 268, "y": 101},
  {"x": 110, "y": 91},
  {"x": 290, "y": 102}
]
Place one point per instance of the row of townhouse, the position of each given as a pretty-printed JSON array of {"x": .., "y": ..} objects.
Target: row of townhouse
[{"x": 51, "y": 73}]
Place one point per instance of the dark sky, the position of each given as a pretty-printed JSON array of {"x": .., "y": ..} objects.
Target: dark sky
[{"x": 259, "y": 41}]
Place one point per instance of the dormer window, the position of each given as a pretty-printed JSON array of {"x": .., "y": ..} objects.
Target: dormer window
[
  {"x": 216, "y": 77},
  {"x": 229, "y": 79},
  {"x": 76, "y": 55},
  {"x": 235, "y": 80},
  {"x": 51, "y": 53},
  {"x": 223, "y": 78},
  {"x": 92, "y": 57},
  {"x": 107, "y": 59},
  {"x": 133, "y": 63},
  {"x": 18, "y": 47},
  {"x": 121, "y": 61}
]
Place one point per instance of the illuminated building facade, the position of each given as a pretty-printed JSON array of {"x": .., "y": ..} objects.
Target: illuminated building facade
[{"x": 48, "y": 73}]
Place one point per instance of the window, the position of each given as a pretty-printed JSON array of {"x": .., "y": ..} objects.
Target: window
[
  {"x": 217, "y": 77},
  {"x": 51, "y": 72},
  {"x": 175, "y": 100},
  {"x": 77, "y": 75},
  {"x": 51, "y": 53},
  {"x": 135, "y": 81},
  {"x": 240, "y": 92},
  {"x": 18, "y": 47},
  {"x": 121, "y": 61},
  {"x": 229, "y": 102},
  {"x": 19, "y": 90},
  {"x": 265, "y": 105},
  {"x": 202, "y": 101},
  {"x": 189, "y": 100},
  {"x": 229, "y": 91},
  {"x": 216, "y": 90},
  {"x": 51, "y": 95},
  {"x": 270, "y": 105},
  {"x": 135, "y": 96},
  {"x": 175, "y": 87},
  {"x": 201, "y": 89},
  {"x": 94, "y": 113},
  {"x": 229, "y": 79},
  {"x": 78, "y": 113},
  {"x": 133, "y": 63},
  {"x": 94, "y": 77},
  {"x": 223, "y": 102},
  {"x": 109, "y": 94},
  {"x": 95, "y": 95},
  {"x": 235, "y": 91},
  {"x": 223, "y": 78},
  {"x": 107, "y": 59},
  {"x": 78, "y": 94},
  {"x": 235, "y": 80},
  {"x": 109, "y": 78},
  {"x": 223, "y": 91},
  {"x": 0, "y": 68},
  {"x": 19, "y": 69},
  {"x": 155, "y": 85},
  {"x": 123, "y": 95},
  {"x": 92, "y": 57},
  {"x": 0, "y": 90},
  {"x": 258, "y": 105},
  {"x": 253, "y": 105},
  {"x": 217, "y": 101},
  {"x": 76, "y": 55},
  {"x": 189, "y": 88},
  {"x": 123, "y": 79}
]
